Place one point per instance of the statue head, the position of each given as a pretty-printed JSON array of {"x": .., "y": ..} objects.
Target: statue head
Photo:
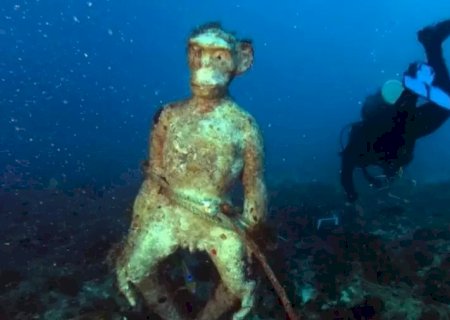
[{"x": 215, "y": 58}]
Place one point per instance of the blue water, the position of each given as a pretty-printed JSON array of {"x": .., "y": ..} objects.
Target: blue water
[{"x": 80, "y": 80}]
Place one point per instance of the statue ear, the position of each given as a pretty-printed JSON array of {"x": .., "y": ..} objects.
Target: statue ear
[{"x": 245, "y": 56}]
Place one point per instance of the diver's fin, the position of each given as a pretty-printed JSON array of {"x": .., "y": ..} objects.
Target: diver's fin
[
  {"x": 440, "y": 97},
  {"x": 419, "y": 79},
  {"x": 434, "y": 34}
]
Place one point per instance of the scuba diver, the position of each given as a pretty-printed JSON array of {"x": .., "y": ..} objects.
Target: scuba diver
[{"x": 391, "y": 120}]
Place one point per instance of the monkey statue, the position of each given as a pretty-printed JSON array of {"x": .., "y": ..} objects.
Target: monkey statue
[{"x": 199, "y": 148}]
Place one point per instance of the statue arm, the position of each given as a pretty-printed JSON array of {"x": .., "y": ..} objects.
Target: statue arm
[
  {"x": 156, "y": 142},
  {"x": 255, "y": 194}
]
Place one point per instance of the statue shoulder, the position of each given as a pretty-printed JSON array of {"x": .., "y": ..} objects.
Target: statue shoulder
[
  {"x": 246, "y": 120},
  {"x": 165, "y": 111},
  {"x": 237, "y": 112}
]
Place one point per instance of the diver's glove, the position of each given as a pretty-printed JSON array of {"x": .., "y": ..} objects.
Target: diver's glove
[{"x": 420, "y": 79}]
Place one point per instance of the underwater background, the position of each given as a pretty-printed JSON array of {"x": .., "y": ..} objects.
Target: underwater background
[{"x": 81, "y": 80}]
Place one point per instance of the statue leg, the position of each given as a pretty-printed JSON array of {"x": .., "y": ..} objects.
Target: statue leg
[
  {"x": 229, "y": 256},
  {"x": 152, "y": 238},
  {"x": 221, "y": 302}
]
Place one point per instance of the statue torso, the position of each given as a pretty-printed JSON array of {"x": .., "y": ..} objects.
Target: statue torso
[{"x": 204, "y": 150}]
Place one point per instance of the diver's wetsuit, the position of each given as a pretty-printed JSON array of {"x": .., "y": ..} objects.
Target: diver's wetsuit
[{"x": 387, "y": 137}]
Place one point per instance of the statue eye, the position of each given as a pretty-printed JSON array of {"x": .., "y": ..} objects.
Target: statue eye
[{"x": 222, "y": 55}]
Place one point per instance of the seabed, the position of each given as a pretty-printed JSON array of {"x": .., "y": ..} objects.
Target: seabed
[{"x": 389, "y": 259}]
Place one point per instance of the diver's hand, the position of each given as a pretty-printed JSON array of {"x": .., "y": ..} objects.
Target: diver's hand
[
  {"x": 425, "y": 73},
  {"x": 422, "y": 72}
]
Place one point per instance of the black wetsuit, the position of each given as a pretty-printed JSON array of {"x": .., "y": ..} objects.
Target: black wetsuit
[{"x": 386, "y": 138}]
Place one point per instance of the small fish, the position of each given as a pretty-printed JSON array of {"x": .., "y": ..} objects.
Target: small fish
[{"x": 189, "y": 281}]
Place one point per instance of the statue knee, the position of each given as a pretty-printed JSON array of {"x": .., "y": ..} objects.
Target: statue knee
[{"x": 125, "y": 287}]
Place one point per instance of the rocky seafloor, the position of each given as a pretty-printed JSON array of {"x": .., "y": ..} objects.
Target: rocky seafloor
[{"x": 387, "y": 258}]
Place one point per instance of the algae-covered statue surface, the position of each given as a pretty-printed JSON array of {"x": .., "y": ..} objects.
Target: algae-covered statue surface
[{"x": 199, "y": 148}]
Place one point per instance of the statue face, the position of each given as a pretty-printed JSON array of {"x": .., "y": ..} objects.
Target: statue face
[
  {"x": 215, "y": 57},
  {"x": 211, "y": 68}
]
